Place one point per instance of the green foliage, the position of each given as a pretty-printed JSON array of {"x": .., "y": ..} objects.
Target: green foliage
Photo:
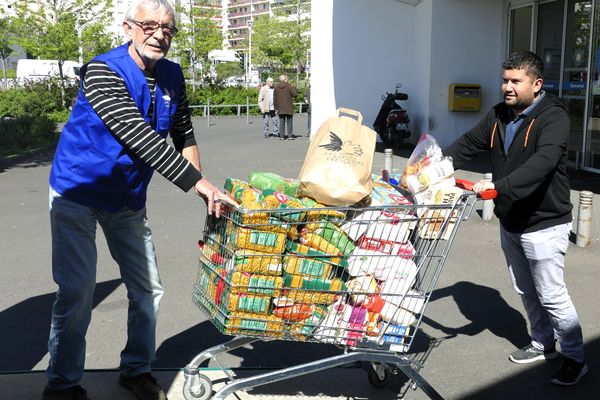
[
  {"x": 281, "y": 43},
  {"x": 222, "y": 96},
  {"x": 60, "y": 27},
  {"x": 197, "y": 38},
  {"x": 26, "y": 132},
  {"x": 227, "y": 69},
  {"x": 37, "y": 99}
]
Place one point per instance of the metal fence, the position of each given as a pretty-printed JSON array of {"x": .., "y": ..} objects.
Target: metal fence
[{"x": 240, "y": 108}]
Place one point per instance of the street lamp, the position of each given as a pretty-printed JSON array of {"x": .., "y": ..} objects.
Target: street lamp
[{"x": 249, "y": 24}]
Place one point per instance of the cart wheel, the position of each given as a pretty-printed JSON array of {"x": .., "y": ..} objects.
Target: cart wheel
[
  {"x": 197, "y": 387},
  {"x": 379, "y": 377}
]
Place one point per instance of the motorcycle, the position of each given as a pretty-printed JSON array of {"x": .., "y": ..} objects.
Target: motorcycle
[{"x": 392, "y": 120}]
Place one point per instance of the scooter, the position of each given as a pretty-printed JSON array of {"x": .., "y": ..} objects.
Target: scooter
[{"x": 392, "y": 120}]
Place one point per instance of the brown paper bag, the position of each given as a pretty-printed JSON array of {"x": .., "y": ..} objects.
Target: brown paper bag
[{"x": 337, "y": 167}]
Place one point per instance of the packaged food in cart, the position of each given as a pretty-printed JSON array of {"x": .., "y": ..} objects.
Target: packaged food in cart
[
  {"x": 318, "y": 212},
  {"x": 255, "y": 262},
  {"x": 369, "y": 301},
  {"x": 379, "y": 265},
  {"x": 258, "y": 240},
  {"x": 333, "y": 235},
  {"x": 404, "y": 219},
  {"x": 384, "y": 194},
  {"x": 273, "y": 200},
  {"x": 333, "y": 327},
  {"x": 243, "y": 323},
  {"x": 433, "y": 221},
  {"x": 304, "y": 329},
  {"x": 247, "y": 303},
  {"x": 233, "y": 184},
  {"x": 309, "y": 290},
  {"x": 245, "y": 283},
  {"x": 298, "y": 265},
  {"x": 306, "y": 251},
  {"x": 271, "y": 180}
]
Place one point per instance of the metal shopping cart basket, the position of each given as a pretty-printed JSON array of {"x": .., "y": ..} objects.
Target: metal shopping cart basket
[{"x": 357, "y": 278}]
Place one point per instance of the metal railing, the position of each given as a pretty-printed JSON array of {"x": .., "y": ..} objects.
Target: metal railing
[{"x": 245, "y": 108}]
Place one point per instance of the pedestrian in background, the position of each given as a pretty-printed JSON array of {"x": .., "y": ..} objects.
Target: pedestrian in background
[
  {"x": 266, "y": 104},
  {"x": 526, "y": 136},
  {"x": 284, "y": 106},
  {"x": 129, "y": 100}
]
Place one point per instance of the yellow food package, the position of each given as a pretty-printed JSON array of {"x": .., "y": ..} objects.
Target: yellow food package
[
  {"x": 256, "y": 284},
  {"x": 308, "y": 290},
  {"x": 297, "y": 265},
  {"x": 321, "y": 212},
  {"x": 281, "y": 203},
  {"x": 242, "y": 323},
  {"x": 233, "y": 184},
  {"x": 257, "y": 263},
  {"x": 317, "y": 242},
  {"x": 251, "y": 239},
  {"x": 247, "y": 303}
]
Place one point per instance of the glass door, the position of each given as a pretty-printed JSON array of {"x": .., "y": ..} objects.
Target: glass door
[
  {"x": 549, "y": 47},
  {"x": 520, "y": 33},
  {"x": 592, "y": 147},
  {"x": 575, "y": 71}
]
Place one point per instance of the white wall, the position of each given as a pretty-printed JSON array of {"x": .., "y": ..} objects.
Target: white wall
[
  {"x": 467, "y": 47},
  {"x": 360, "y": 50}
]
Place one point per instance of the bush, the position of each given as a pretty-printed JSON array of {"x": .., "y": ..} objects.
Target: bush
[{"x": 26, "y": 132}]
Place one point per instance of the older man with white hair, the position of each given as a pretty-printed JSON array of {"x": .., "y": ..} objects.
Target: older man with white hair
[
  {"x": 267, "y": 108},
  {"x": 129, "y": 100}
]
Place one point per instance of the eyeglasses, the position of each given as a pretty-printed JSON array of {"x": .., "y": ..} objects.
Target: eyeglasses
[{"x": 149, "y": 27}]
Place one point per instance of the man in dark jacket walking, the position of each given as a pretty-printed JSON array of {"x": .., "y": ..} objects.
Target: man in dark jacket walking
[
  {"x": 284, "y": 105},
  {"x": 526, "y": 137}
]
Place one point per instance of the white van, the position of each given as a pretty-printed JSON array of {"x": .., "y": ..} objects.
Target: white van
[{"x": 38, "y": 70}]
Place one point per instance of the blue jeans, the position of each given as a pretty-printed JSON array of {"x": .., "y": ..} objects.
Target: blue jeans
[
  {"x": 74, "y": 256},
  {"x": 536, "y": 266}
]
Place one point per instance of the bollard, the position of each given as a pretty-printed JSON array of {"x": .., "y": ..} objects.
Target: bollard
[
  {"x": 247, "y": 110},
  {"x": 388, "y": 160},
  {"x": 488, "y": 205},
  {"x": 208, "y": 113},
  {"x": 584, "y": 219}
]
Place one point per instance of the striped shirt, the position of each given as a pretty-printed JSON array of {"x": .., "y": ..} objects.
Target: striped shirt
[{"x": 107, "y": 93}]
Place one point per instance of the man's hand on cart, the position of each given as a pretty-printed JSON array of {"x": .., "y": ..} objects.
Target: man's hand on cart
[
  {"x": 482, "y": 186},
  {"x": 484, "y": 189},
  {"x": 213, "y": 197}
]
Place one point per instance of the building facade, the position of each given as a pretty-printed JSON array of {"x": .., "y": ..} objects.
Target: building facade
[{"x": 428, "y": 45}]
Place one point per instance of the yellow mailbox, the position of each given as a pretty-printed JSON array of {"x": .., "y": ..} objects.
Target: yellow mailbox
[{"x": 464, "y": 97}]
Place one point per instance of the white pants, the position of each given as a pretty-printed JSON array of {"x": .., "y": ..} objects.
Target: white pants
[{"x": 536, "y": 265}]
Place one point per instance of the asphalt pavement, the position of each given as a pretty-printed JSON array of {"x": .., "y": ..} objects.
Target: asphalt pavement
[{"x": 474, "y": 319}]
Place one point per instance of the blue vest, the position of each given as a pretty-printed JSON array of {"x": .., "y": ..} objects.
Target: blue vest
[{"x": 90, "y": 166}]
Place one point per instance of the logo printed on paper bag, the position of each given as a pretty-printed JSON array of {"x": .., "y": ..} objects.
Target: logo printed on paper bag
[{"x": 345, "y": 152}]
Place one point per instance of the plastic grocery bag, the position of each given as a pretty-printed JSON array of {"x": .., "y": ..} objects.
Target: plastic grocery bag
[{"x": 337, "y": 167}]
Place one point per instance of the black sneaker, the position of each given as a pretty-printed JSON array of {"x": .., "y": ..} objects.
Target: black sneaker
[
  {"x": 144, "y": 386},
  {"x": 72, "y": 393},
  {"x": 529, "y": 354},
  {"x": 569, "y": 373}
]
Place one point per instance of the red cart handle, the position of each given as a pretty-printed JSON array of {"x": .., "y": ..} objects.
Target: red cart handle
[{"x": 468, "y": 185}]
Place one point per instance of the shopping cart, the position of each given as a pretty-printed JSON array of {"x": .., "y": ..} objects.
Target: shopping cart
[{"x": 357, "y": 278}]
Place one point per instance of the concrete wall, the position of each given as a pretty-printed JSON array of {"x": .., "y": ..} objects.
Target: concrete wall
[
  {"x": 467, "y": 46},
  {"x": 361, "y": 49}
]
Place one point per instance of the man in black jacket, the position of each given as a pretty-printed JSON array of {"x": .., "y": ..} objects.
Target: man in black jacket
[{"x": 526, "y": 136}]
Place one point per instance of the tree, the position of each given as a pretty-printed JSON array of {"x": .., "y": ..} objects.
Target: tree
[
  {"x": 5, "y": 47},
  {"x": 59, "y": 28},
  {"x": 284, "y": 40},
  {"x": 227, "y": 69},
  {"x": 197, "y": 36}
]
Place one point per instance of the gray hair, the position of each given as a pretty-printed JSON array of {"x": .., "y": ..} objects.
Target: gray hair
[{"x": 150, "y": 5}]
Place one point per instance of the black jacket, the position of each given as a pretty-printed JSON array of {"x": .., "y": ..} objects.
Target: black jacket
[{"x": 531, "y": 180}]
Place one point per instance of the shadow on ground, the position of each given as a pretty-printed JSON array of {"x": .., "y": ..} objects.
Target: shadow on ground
[{"x": 29, "y": 324}]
